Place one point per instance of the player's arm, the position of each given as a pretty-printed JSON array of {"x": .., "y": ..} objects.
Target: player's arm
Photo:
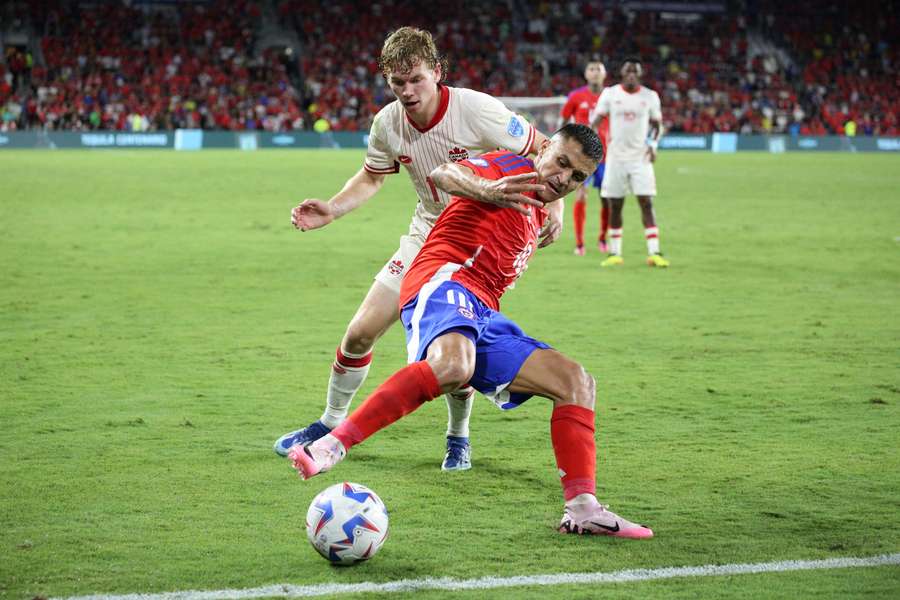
[
  {"x": 508, "y": 192},
  {"x": 655, "y": 129},
  {"x": 655, "y": 133},
  {"x": 600, "y": 110},
  {"x": 313, "y": 213}
]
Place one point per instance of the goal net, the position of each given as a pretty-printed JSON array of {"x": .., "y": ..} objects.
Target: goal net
[{"x": 543, "y": 113}]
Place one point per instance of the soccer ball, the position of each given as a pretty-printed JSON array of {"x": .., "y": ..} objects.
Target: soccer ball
[{"x": 347, "y": 523}]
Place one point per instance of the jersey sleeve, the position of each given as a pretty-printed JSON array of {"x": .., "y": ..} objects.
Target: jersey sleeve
[
  {"x": 602, "y": 106},
  {"x": 655, "y": 108},
  {"x": 379, "y": 157},
  {"x": 497, "y": 126},
  {"x": 568, "y": 109},
  {"x": 481, "y": 167}
]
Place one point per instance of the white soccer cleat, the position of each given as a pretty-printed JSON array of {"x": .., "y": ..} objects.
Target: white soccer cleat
[
  {"x": 317, "y": 457},
  {"x": 593, "y": 518}
]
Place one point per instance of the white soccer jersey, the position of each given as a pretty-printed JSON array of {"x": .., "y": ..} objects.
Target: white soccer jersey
[
  {"x": 466, "y": 124},
  {"x": 629, "y": 121}
]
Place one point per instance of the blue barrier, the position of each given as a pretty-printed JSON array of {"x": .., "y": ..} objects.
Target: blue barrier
[{"x": 196, "y": 139}]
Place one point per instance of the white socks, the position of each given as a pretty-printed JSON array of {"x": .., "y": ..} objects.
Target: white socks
[
  {"x": 347, "y": 375},
  {"x": 459, "y": 407},
  {"x": 615, "y": 241},
  {"x": 652, "y": 235}
]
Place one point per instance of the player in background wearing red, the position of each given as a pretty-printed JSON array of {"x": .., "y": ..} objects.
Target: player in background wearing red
[
  {"x": 577, "y": 109},
  {"x": 635, "y": 127},
  {"x": 427, "y": 125},
  {"x": 456, "y": 335}
]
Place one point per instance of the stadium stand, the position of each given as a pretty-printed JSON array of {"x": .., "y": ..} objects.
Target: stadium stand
[{"x": 281, "y": 65}]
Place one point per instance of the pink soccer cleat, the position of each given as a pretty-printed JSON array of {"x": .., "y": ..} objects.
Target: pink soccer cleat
[
  {"x": 317, "y": 457},
  {"x": 595, "y": 519},
  {"x": 579, "y": 251},
  {"x": 603, "y": 246}
]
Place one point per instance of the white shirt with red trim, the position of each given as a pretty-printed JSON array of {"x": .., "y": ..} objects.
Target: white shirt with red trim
[
  {"x": 629, "y": 121},
  {"x": 467, "y": 123}
]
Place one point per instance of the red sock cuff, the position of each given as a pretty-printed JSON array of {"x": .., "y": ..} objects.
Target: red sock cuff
[
  {"x": 430, "y": 385},
  {"x": 354, "y": 363},
  {"x": 582, "y": 415}
]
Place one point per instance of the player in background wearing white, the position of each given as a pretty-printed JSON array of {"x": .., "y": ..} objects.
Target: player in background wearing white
[
  {"x": 635, "y": 127},
  {"x": 577, "y": 109},
  {"x": 428, "y": 124}
]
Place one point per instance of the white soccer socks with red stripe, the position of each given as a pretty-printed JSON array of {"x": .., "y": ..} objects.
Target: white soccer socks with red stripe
[
  {"x": 615, "y": 241},
  {"x": 652, "y": 236},
  {"x": 348, "y": 373}
]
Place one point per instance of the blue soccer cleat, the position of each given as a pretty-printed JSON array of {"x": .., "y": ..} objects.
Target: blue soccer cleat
[
  {"x": 304, "y": 436},
  {"x": 458, "y": 457}
]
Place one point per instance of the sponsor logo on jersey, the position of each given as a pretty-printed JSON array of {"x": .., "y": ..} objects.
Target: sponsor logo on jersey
[
  {"x": 479, "y": 162},
  {"x": 465, "y": 312},
  {"x": 515, "y": 128},
  {"x": 457, "y": 154},
  {"x": 629, "y": 115},
  {"x": 404, "y": 159},
  {"x": 395, "y": 267}
]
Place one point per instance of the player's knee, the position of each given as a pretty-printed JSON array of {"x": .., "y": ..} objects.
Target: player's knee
[
  {"x": 453, "y": 362},
  {"x": 358, "y": 339},
  {"x": 452, "y": 370},
  {"x": 581, "y": 388}
]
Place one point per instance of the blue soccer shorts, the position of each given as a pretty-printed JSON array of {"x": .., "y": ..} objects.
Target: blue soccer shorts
[
  {"x": 501, "y": 347},
  {"x": 596, "y": 178}
]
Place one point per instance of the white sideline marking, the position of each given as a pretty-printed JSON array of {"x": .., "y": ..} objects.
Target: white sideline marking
[{"x": 485, "y": 583}]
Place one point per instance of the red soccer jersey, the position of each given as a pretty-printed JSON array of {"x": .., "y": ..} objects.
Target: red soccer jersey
[
  {"x": 578, "y": 106},
  {"x": 482, "y": 246}
]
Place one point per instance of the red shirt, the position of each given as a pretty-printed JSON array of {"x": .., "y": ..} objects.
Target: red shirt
[
  {"x": 578, "y": 106},
  {"x": 482, "y": 246}
]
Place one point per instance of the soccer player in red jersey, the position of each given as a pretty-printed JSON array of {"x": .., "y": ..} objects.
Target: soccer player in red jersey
[
  {"x": 428, "y": 124},
  {"x": 456, "y": 335},
  {"x": 577, "y": 109}
]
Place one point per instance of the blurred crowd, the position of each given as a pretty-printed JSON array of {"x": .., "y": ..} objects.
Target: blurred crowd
[{"x": 756, "y": 66}]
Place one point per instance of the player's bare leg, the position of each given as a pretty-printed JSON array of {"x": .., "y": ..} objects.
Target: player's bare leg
[
  {"x": 579, "y": 215},
  {"x": 552, "y": 375},
  {"x": 651, "y": 232},
  {"x": 615, "y": 233},
  {"x": 373, "y": 318},
  {"x": 602, "y": 243}
]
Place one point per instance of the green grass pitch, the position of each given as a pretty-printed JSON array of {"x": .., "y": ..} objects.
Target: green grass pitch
[{"x": 161, "y": 323}]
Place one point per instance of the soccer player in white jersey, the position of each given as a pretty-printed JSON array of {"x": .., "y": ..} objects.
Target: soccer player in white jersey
[
  {"x": 635, "y": 126},
  {"x": 428, "y": 124}
]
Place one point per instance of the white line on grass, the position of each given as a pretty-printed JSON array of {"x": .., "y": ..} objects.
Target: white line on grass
[{"x": 484, "y": 583}]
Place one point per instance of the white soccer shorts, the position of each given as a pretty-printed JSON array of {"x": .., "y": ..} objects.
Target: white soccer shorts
[
  {"x": 622, "y": 178},
  {"x": 391, "y": 274}
]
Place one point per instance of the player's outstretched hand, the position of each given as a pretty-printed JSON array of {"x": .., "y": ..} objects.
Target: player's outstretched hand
[
  {"x": 311, "y": 214},
  {"x": 509, "y": 192},
  {"x": 651, "y": 154}
]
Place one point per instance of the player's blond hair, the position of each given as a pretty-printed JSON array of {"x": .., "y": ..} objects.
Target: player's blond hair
[{"x": 405, "y": 48}]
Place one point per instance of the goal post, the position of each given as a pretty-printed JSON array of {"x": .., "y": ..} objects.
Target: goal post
[{"x": 541, "y": 112}]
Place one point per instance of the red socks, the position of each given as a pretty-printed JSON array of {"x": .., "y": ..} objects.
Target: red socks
[
  {"x": 578, "y": 216},
  {"x": 403, "y": 392},
  {"x": 572, "y": 434}
]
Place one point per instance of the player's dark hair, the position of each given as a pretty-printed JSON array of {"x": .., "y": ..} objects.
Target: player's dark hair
[
  {"x": 590, "y": 142},
  {"x": 632, "y": 59}
]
